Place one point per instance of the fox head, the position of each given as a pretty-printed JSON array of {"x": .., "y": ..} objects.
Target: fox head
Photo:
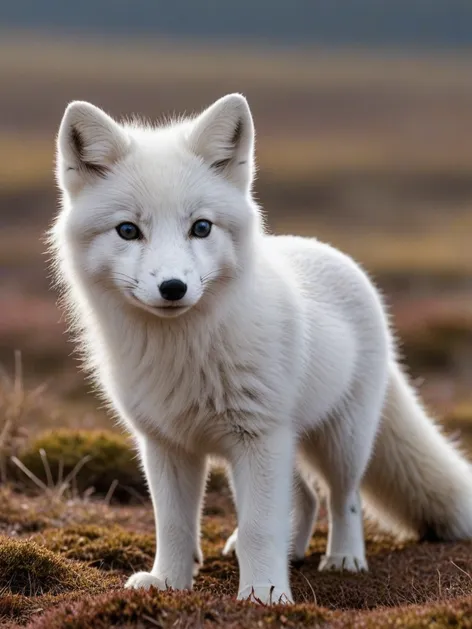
[{"x": 160, "y": 216}]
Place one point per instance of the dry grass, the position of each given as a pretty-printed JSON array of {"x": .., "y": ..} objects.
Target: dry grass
[{"x": 19, "y": 408}]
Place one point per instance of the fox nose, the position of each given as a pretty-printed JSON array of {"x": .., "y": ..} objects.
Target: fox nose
[{"x": 173, "y": 290}]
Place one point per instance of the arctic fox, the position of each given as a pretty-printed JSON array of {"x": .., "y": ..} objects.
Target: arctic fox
[{"x": 211, "y": 338}]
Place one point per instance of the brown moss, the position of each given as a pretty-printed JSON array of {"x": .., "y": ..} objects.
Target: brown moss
[
  {"x": 215, "y": 531},
  {"x": 112, "y": 460},
  {"x": 400, "y": 575},
  {"x": 107, "y": 548},
  {"x": 30, "y": 569},
  {"x": 146, "y": 610},
  {"x": 115, "y": 548},
  {"x": 19, "y": 515},
  {"x": 376, "y": 541},
  {"x": 217, "y": 480},
  {"x": 406, "y": 585},
  {"x": 133, "y": 610},
  {"x": 455, "y": 614},
  {"x": 17, "y": 607}
]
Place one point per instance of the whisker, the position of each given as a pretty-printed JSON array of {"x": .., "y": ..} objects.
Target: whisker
[
  {"x": 219, "y": 280},
  {"x": 123, "y": 276},
  {"x": 212, "y": 273},
  {"x": 217, "y": 274}
]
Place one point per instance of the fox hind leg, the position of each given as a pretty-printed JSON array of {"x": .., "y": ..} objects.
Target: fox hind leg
[{"x": 339, "y": 451}]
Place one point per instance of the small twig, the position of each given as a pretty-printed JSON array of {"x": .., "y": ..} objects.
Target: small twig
[
  {"x": 111, "y": 491},
  {"x": 135, "y": 493},
  {"x": 310, "y": 586},
  {"x": 5, "y": 430},
  {"x": 87, "y": 493},
  {"x": 30, "y": 474},
  {"x": 47, "y": 468},
  {"x": 461, "y": 569},
  {"x": 60, "y": 471},
  {"x": 18, "y": 381},
  {"x": 3, "y": 437},
  {"x": 153, "y": 621},
  {"x": 73, "y": 474}
]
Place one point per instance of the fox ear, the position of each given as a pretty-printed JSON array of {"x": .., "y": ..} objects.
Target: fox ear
[
  {"x": 223, "y": 135},
  {"x": 89, "y": 142}
]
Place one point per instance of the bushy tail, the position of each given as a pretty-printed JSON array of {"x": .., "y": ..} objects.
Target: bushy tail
[{"x": 417, "y": 482}]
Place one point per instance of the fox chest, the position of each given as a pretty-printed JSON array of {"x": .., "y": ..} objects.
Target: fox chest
[{"x": 198, "y": 404}]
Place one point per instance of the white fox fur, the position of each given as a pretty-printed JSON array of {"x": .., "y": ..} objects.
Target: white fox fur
[{"x": 279, "y": 360}]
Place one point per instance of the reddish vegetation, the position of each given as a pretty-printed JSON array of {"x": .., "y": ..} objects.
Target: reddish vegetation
[{"x": 77, "y": 569}]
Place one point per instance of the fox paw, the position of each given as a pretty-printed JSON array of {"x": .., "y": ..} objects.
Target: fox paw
[
  {"x": 266, "y": 595},
  {"x": 145, "y": 580},
  {"x": 343, "y": 563},
  {"x": 230, "y": 545}
]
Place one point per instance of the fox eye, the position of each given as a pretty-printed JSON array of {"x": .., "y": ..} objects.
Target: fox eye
[
  {"x": 201, "y": 229},
  {"x": 128, "y": 231}
]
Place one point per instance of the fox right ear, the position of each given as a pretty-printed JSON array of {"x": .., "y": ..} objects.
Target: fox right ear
[
  {"x": 89, "y": 142},
  {"x": 223, "y": 136}
]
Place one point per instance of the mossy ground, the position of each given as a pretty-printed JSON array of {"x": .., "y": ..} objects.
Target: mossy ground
[
  {"x": 106, "y": 460},
  {"x": 69, "y": 573},
  {"x": 65, "y": 556}
]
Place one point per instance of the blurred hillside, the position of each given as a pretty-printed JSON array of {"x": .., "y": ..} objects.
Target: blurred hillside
[
  {"x": 366, "y": 149},
  {"x": 399, "y": 23}
]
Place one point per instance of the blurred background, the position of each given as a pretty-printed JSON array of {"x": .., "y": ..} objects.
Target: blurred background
[{"x": 364, "y": 118}]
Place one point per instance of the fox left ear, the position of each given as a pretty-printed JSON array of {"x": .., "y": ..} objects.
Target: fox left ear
[
  {"x": 89, "y": 142},
  {"x": 223, "y": 135}
]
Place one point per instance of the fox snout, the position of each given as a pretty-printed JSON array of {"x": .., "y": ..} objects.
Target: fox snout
[{"x": 172, "y": 290}]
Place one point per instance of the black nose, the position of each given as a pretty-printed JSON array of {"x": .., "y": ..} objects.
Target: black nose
[{"x": 173, "y": 290}]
